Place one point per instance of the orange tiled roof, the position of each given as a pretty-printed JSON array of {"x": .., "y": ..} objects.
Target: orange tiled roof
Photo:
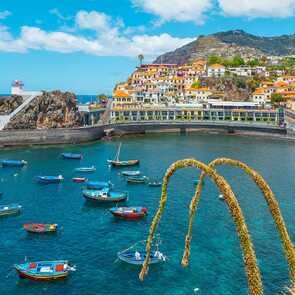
[
  {"x": 216, "y": 66},
  {"x": 120, "y": 93}
]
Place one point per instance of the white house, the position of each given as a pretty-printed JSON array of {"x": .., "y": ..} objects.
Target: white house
[{"x": 216, "y": 70}]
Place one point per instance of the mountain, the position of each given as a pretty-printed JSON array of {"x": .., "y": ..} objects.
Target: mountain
[{"x": 228, "y": 44}]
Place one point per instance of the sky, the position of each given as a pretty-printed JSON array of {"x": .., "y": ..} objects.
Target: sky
[{"x": 87, "y": 46}]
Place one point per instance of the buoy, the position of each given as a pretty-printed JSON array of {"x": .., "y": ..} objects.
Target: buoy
[{"x": 196, "y": 290}]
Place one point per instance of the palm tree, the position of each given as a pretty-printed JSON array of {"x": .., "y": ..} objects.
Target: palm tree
[
  {"x": 140, "y": 58},
  {"x": 252, "y": 270},
  {"x": 272, "y": 204}
]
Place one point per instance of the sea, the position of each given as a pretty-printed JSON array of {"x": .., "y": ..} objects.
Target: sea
[{"x": 90, "y": 237}]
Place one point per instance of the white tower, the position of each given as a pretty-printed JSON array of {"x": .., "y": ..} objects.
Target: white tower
[{"x": 17, "y": 87}]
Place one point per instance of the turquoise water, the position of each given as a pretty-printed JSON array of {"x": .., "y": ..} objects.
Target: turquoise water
[{"x": 90, "y": 237}]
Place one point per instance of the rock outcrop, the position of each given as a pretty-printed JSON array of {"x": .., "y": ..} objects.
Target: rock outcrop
[
  {"x": 54, "y": 109},
  {"x": 229, "y": 44},
  {"x": 9, "y": 103}
]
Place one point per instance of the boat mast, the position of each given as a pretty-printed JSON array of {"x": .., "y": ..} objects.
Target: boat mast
[{"x": 118, "y": 151}]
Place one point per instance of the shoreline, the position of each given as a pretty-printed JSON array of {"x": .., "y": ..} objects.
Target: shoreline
[{"x": 80, "y": 135}]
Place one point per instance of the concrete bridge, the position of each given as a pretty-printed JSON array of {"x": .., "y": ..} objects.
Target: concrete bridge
[{"x": 28, "y": 96}]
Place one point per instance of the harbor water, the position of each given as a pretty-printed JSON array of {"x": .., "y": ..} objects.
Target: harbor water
[{"x": 90, "y": 237}]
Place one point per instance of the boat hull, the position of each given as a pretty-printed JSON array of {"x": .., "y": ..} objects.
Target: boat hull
[
  {"x": 24, "y": 275},
  {"x": 40, "y": 228},
  {"x": 123, "y": 163},
  {"x": 104, "y": 200},
  {"x": 69, "y": 156},
  {"x": 97, "y": 185},
  {"x": 10, "y": 210},
  {"x": 79, "y": 179},
  {"x": 13, "y": 163},
  {"x": 129, "y": 258},
  {"x": 131, "y": 173},
  {"x": 48, "y": 179},
  {"x": 132, "y": 213}
]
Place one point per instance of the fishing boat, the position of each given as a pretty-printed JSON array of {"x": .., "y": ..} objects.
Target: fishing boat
[
  {"x": 49, "y": 179},
  {"x": 40, "y": 228},
  {"x": 134, "y": 179},
  {"x": 130, "y": 173},
  {"x": 105, "y": 195},
  {"x": 117, "y": 163},
  {"x": 44, "y": 270},
  {"x": 85, "y": 169},
  {"x": 72, "y": 156},
  {"x": 138, "y": 257},
  {"x": 10, "y": 209},
  {"x": 155, "y": 183},
  {"x": 79, "y": 179},
  {"x": 129, "y": 212},
  {"x": 98, "y": 185},
  {"x": 14, "y": 163}
]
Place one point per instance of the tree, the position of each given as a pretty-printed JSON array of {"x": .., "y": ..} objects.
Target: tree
[
  {"x": 237, "y": 61},
  {"x": 253, "y": 62},
  {"x": 277, "y": 99},
  {"x": 196, "y": 84},
  {"x": 213, "y": 59},
  {"x": 140, "y": 58}
]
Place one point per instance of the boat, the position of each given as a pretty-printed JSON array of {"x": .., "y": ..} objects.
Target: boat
[
  {"x": 135, "y": 179},
  {"x": 10, "y": 209},
  {"x": 138, "y": 257},
  {"x": 72, "y": 156},
  {"x": 105, "y": 195},
  {"x": 130, "y": 173},
  {"x": 117, "y": 163},
  {"x": 40, "y": 228},
  {"x": 98, "y": 185},
  {"x": 221, "y": 197},
  {"x": 129, "y": 212},
  {"x": 49, "y": 179},
  {"x": 155, "y": 183},
  {"x": 14, "y": 163},
  {"x": 44, "y": 270},
  {"x": 79, "y": 179},
  {"x": 85, "y": 169}
]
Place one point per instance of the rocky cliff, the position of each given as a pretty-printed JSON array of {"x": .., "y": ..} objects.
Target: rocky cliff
[
  {"x": 9, "y": 103},
  {"x": 228, "y": 44},
  {"x": 54, "y": 109}
]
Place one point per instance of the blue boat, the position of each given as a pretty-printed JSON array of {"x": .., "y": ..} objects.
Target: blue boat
[
  {"x": 98, "y": 185},
  {"x": 10, "y": 209},
  {"x": 13, "y": 163},
  {"x": 72, "y": 156},
  {"x": 85, "y": 169},
  {"x": 44, "y": 270},
  {"x": 105, "y": 195},
  {"x": 49, "y": 179},
  {"x": 138, "y": 257}
]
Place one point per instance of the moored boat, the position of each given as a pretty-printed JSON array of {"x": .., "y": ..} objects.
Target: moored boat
[
  {"x": 130, "y": 173},
  {"x": 72, "y": 156},
  {"x": 40, "y": 228},
  {"x": 44, "y": 270},
  {"x": 138, "y": 257},
  {"x": 98, "y": 185},
  {"x": 85, "y": 169},
  {"x": 10, "y": 209},
  {"x": 79, "y": 179},
  {"x": 14, "y": 163},
  {"x": 105, "y": 195},
  {"x": 135, "y": 179},
  {"x": 155, "y": 183},
  {"x": 49, "y": 179},
  {"x": 129, "y": 212},
  {"x": 117, "y": 163}
]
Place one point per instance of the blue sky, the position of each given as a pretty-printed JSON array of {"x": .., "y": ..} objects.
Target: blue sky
[{"x": 86, "y": 46}]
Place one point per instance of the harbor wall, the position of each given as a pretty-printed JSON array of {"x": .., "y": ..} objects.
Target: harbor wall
[{"x": 87, "y": 134}]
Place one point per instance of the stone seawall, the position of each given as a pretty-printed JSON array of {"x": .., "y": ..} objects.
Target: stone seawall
[{"x": 86, "y": 134}]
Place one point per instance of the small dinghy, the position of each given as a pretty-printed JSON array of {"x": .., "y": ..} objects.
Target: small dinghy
[
  {"x": 117, "y": 163},
  {"x": 44, "y": 270},
  {"x": 129, "y": 212},
  {"x": 10, "y": 209},
  {"x": 85, "y": 169},
  {"x": 79, "y": 179},
  {"x": 49, "y": 179},
  {"x": 138, "y": 257},
  {"x": 134, "y": 179},
  {"x": 130, "y": 173},
  {"x": 72, "y": 156},
  {"x": 105, "y": 195},
  {"x": 98, "y": 185},
  {"x": 155, "y": 184},
  {"x": 221, "y": 197},
  {"x": 40, "y": 228},
  {"x": 14, "y": 163}
]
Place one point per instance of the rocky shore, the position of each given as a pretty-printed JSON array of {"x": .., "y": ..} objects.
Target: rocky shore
[
  {"x": 9, "y": 103},
  {"x": 54, "y": 109}
]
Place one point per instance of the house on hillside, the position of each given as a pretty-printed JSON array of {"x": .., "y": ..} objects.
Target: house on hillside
[{"x": 216, "y": 70}]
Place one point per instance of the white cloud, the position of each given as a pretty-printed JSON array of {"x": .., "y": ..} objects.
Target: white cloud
[
  {"x": 258, "y": 8},
  {"x": 4, "y": 14},
  {"x": 176, "y": 10},
  {"x": 93, "y": 20}
]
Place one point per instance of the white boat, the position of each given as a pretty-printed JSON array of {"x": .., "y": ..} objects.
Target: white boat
[
  {"x": 131, "y": 173},
  {"x": 85, "y": 169}
]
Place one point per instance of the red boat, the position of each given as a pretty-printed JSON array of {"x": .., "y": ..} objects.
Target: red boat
[
  {"x": 79, "y": 179},
  {"x": 40, "y": 228},
  {"x": 129, "y": 212}
]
